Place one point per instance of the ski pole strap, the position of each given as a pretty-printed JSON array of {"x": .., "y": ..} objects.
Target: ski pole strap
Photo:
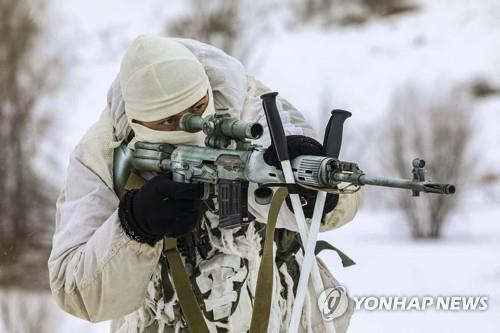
[
  {"x": 167, "y": 287},
  {"x": 187, "y": 300},
  {"x": 324, "y": 245},
  {"x": 264, "y": 287},
  {"x": 182, "y": 286}
]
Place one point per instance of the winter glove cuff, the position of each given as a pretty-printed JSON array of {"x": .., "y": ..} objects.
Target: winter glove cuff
[{"x": 128, "y": 222}]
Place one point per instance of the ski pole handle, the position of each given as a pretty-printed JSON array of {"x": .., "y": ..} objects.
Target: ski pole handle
[
  {"x": 276, "y": 130},
  {"x": 333, "y": 135}
]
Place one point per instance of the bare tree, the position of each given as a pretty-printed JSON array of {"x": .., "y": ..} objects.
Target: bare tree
[
  {"x": 348, "y": 12},
  {"x": 27, "y": 74},
  {"x": 438, "y": 128},
  {"x": 388, "y": 7},
  {"x": 482, "y": 87},
  {"x": 213, "y": 22},
  {"x": 227, "y": 24}
]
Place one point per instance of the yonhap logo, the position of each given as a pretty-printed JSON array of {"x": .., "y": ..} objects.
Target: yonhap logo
[{"x": 333, "y": 302}]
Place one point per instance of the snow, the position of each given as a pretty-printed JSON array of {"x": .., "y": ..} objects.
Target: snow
[
  {"x": 387, "y": 264},
  {"x": 357, "y": 68},
  {"x": 360, "y": 67}
]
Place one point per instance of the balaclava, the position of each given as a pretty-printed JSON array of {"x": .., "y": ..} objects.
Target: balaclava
[{"x": 159, "y": 77}]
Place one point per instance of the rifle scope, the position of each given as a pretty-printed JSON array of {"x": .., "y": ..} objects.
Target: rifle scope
[{"x": 221, "y": 125}]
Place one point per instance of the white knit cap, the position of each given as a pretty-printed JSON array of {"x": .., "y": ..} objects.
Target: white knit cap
[{"x": 160, "y": 77}]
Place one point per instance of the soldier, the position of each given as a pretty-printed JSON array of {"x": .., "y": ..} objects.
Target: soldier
[{"x": 106, "y": 262}]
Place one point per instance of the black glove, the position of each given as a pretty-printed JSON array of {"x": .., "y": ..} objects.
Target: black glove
[
  {"x": 161, "y": 208},
  {"x": 302, "y": 145}
]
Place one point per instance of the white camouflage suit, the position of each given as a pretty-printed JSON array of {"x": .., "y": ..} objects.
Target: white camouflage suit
[{"x": 98, "y": 273}]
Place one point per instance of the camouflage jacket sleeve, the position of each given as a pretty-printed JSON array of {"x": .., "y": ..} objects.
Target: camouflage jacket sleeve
[{"x": 96, "y": 271}]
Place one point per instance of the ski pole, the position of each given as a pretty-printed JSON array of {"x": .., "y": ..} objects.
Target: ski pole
[
  {"x": 331, "y": 145},
  {"x": 279, "y": 141},
  {"x": 307, "y": 265}
]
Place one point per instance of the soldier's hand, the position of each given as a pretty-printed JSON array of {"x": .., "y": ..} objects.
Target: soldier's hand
[{"x": 161, "y": 208}]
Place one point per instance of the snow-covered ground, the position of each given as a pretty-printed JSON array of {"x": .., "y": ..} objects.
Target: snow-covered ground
[
  {"x": 465, "y": 262},
  {"x": 358, "y": 68}
]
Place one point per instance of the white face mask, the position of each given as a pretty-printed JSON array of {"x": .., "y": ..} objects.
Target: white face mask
[
  {"x": 145, "y": 134},
  {"x": 142, "y": 133}
]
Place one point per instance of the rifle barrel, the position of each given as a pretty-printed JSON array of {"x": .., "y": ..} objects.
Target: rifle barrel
[{"x": 426, "y": 186}]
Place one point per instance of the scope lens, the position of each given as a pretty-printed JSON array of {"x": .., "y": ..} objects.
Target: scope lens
[{"x": 256, "y": 130}]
